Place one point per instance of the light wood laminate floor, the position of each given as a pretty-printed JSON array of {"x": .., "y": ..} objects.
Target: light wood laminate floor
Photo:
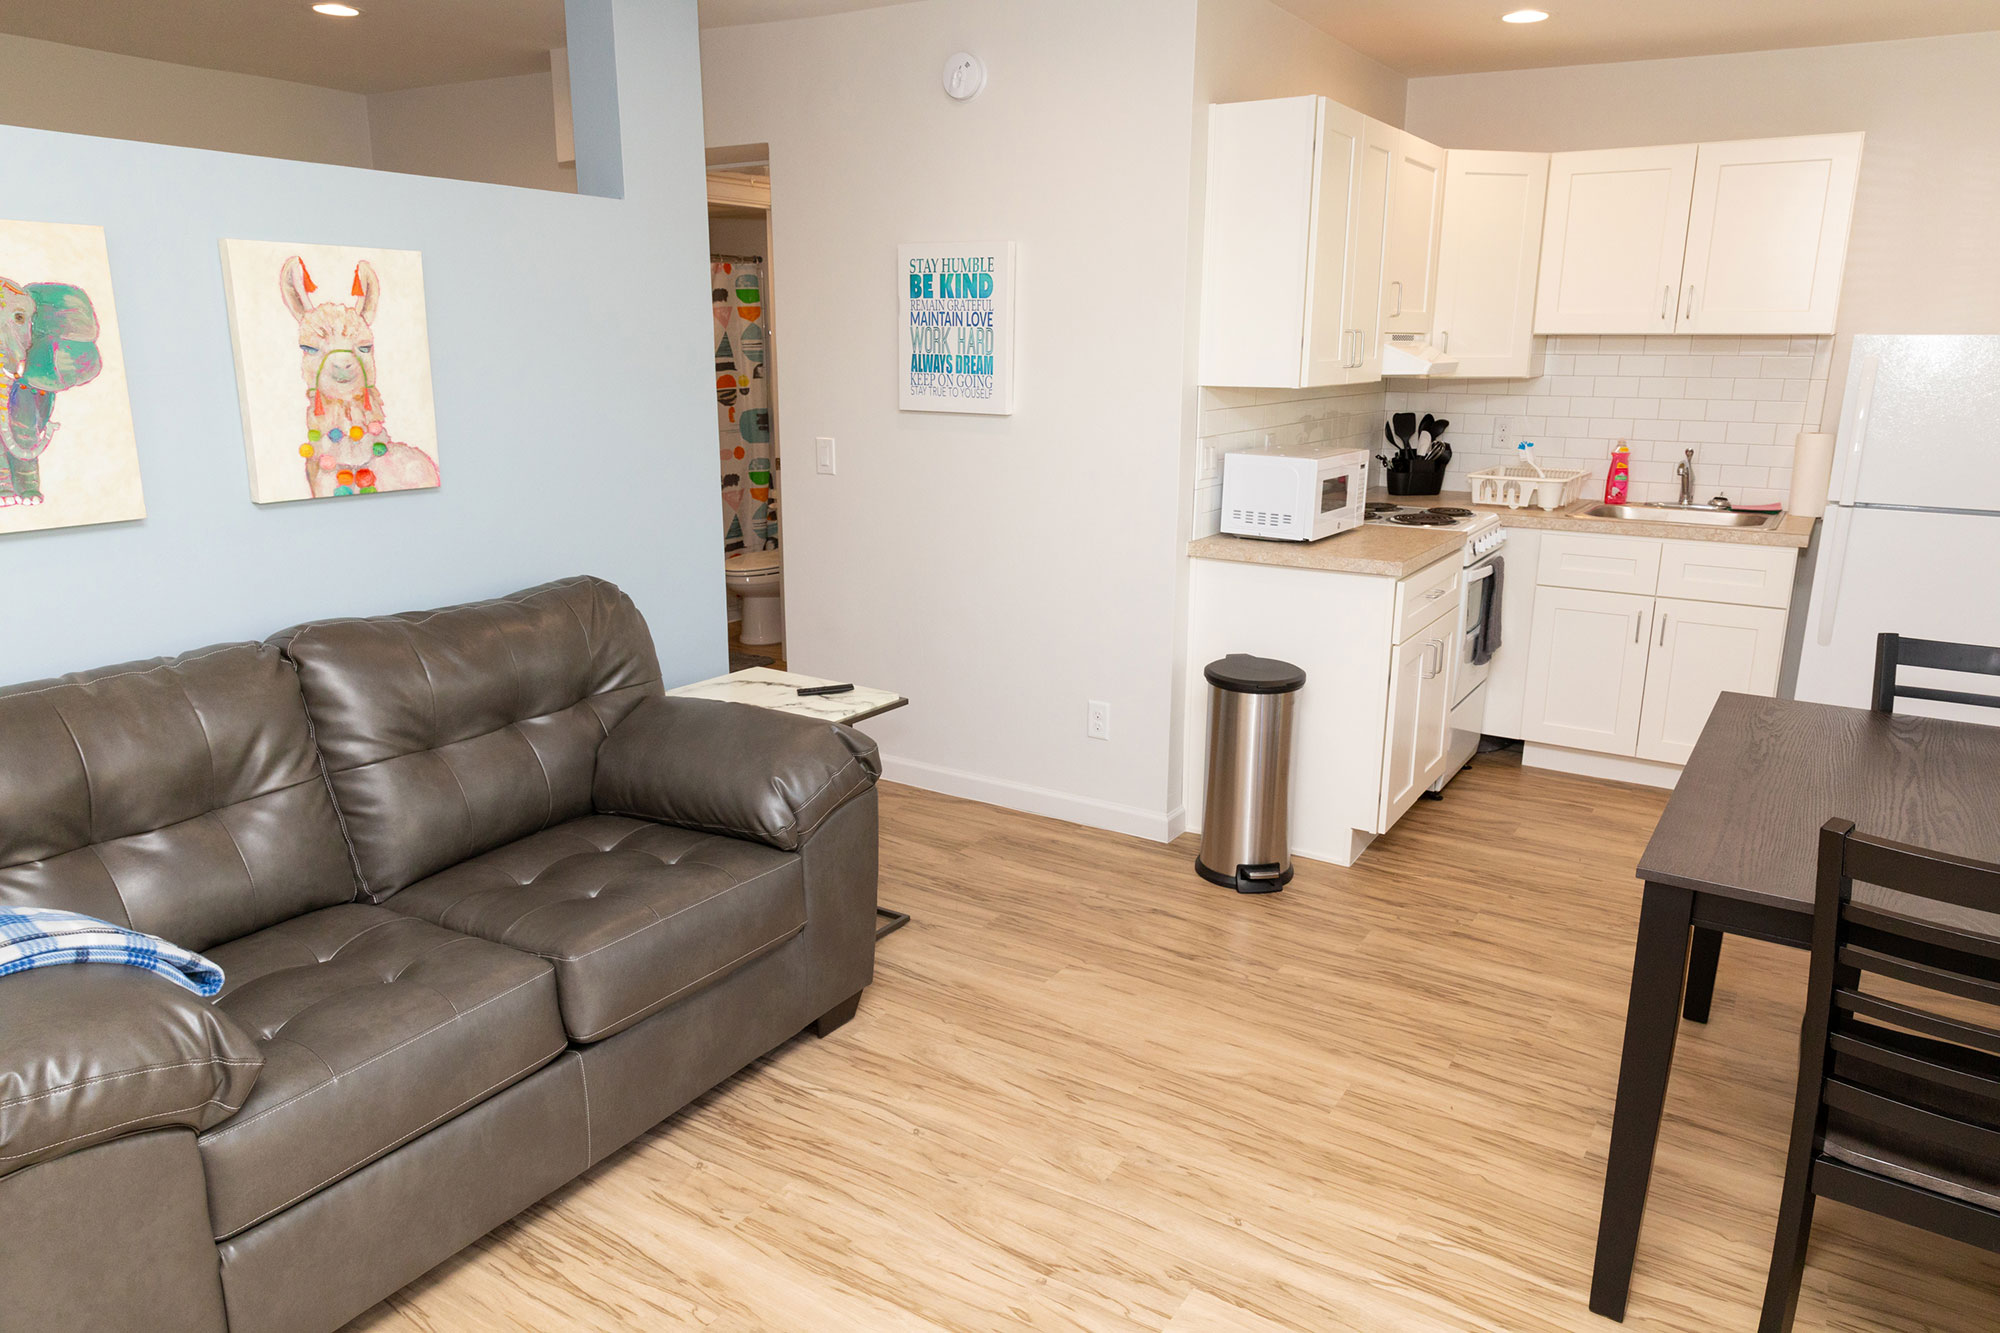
[{"x": 1090, "y": 1091}]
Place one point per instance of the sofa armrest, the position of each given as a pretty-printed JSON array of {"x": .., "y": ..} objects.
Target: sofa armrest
[
  {"x": 96, "y": 1051},
  {"x": 732, "y": 768}
]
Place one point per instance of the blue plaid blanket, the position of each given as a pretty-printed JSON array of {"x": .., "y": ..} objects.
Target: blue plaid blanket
[{"x": 42, "y": 937}]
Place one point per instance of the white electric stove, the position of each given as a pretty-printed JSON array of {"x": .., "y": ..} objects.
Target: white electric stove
[{"x": 1483, "y": 539}]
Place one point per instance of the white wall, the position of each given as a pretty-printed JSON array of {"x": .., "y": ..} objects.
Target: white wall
[
  {"x": 48, "y": 86},
  {"x": 1923, "y": 257},
  {"x": 999, "y": 571},
  {"x": 499, "y": 130}
]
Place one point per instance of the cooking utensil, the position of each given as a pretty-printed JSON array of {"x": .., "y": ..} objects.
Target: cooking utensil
[{"x": 1406, "y": 426}]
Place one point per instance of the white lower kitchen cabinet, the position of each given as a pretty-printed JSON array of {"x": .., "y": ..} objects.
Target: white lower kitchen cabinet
[
  {"x": 1699, "y": 650},
  {"x": 1369, "y": 728},
  {"x": 1622, "y": 673},
  {"x": 1419, "y": 704},
  {"x": 1587, "y": 669}
]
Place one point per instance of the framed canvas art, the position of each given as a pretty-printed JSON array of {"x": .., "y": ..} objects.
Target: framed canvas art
[
  {"x": 67, "y": 452},
  {"x": 956, "y": 326},
  {"x": 333, "y": 369}
]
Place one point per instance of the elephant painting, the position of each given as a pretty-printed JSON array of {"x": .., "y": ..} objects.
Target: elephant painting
[{"x": 48, "y": 344}]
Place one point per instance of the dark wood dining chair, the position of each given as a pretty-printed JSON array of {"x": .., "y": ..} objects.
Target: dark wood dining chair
[
  {"x": 1899, "y": 1105},
  {"x": 1893, "y": 651}
]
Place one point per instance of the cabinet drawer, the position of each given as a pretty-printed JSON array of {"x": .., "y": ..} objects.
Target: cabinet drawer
[
  {"x": 1426, "y": 592},
  {"x": 1720, "y": 572},
  {"x": 1599, "y": 564}
]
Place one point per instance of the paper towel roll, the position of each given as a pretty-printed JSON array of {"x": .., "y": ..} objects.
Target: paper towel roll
[{"x": 1812, "y": 469}]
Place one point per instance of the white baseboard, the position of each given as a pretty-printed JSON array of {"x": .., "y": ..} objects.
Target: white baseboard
[
  {"x": 1589, "y": 764},
  {"x": 1159, "y": 826}
]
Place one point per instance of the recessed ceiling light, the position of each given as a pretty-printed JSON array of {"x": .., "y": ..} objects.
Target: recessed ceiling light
[
  {"x": 337, "y": 11},
  {"x": 1524, "y": 16}
]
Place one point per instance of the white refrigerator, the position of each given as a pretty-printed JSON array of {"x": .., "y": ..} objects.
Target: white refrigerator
[{"x": 1911, "y": 541}]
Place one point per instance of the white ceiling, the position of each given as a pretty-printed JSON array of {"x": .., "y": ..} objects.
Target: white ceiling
[
  {"x": 734, "y": 13},
  {"x": 394, "y": 44},
  {"x": 411, "y": 43},
  {"x": 1421, "y": 37}
]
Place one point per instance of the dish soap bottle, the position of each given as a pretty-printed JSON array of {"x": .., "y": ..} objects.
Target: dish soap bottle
[{"x": 1619, "y": 480}]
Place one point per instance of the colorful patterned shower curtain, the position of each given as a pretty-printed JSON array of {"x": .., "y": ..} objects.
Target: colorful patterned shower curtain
[{"x": 743, "y": 400}]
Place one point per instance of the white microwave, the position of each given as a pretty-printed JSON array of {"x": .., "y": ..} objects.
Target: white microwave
[{"x": 1293, "y": 492}]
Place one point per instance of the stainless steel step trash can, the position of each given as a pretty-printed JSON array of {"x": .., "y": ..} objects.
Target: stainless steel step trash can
[{"x": 1245, "y": 843}]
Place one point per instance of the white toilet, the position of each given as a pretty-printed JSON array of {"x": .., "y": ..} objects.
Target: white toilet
[{"x": 754, "y": 577}]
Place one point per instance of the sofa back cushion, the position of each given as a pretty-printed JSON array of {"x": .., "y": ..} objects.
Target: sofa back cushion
[
  {"x": 449, "y": 733},
  {"x": 180, "y": 796}
]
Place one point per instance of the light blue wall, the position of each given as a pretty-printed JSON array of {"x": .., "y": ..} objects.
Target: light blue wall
[{"x": 571, "y": 362}]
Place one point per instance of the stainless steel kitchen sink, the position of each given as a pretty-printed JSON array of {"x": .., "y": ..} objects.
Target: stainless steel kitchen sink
[{"x": 1705, "y": 518}]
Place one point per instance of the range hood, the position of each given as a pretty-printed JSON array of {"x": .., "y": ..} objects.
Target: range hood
[{"x": 1412, "y": 354}]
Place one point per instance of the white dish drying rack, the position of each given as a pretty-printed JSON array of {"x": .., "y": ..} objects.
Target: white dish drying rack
[{"x": 1531, "y": 486}]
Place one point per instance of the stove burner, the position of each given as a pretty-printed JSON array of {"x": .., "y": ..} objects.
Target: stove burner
[
  {"x": 1423, "y": 518},
  {"x": 1376, "y": 507},
  {"x": 1449, "y": 511}
]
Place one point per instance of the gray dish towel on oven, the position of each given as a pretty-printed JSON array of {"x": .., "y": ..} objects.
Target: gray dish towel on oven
[{"x": 1488, "y": 641}]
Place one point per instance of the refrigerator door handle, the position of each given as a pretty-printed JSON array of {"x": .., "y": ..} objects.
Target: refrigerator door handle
[
  {"x": 1864, "y": 411},
  {"x": 1838, "y": 519}
]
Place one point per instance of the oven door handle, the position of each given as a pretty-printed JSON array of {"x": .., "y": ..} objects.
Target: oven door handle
[{"x": 1483, "y": 572}]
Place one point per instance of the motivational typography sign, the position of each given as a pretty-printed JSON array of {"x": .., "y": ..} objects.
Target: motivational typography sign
[{"x": 957, "y": 328}]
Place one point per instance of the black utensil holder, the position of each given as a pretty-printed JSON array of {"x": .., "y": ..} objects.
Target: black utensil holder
[{"x": 1420, "y": 478}]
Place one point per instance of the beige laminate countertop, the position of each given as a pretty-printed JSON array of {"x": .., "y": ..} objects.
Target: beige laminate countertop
[{"x": 1398, "y": 552}]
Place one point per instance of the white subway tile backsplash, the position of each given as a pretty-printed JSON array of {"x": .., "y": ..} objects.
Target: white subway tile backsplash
[
  {"x": 1752, "y": 432},
  {"x": 1662, "y": 394}
]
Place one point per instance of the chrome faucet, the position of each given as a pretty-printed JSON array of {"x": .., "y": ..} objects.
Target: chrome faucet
[{"x": 1685, "y": 471}]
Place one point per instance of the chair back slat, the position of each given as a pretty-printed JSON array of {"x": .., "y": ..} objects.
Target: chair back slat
[
  {"x": 1921, "y": 873},
  {"x": 1863, "y": 1050},
  {"x": 1953, "y": 1030},
  {"x": 1893, "y": 652},
  {"x": 1914, "y": 1124},
  {"x": 1930, "y": 975},
  {"x": 1961, "y": 943}
]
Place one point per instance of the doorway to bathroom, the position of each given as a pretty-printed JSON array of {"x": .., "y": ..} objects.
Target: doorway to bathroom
[{"x": 739, "y": 239}]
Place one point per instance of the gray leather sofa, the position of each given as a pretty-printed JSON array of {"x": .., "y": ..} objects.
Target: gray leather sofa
[{"x": 490, "y": 906}]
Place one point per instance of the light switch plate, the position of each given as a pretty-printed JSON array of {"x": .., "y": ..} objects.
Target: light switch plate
[{"x": 823, "y": 453}]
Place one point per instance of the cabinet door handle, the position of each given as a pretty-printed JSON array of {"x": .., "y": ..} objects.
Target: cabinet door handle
[
  {"x": 1399, "y": 300},
  {"x": 1666, "y": 295},
  {"x": 1433, "y": 672},
  {"x": 1638, "y": 625},
  {"x": 1688, "y": 313},
  {"x": 1444, "y": 341},
  {"x": 1663, "y": 629}
]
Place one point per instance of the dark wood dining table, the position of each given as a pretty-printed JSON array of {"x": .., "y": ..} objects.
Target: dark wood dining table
[{"x": 1734, "y": 854}]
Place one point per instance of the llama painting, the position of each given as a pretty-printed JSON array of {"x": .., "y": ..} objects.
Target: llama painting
[
  {"x": 67, "y": 454},
  {"x": 332, "y": 369}
]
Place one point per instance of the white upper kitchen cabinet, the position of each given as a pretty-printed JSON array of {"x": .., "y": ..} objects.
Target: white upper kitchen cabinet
[
  {"x": 1489, "y": 255},
  {"x": 1279, "y": 245},
  {"x": 1613, "y": 240},
  {"x": 1587, "y": 669},
  {"x": 1699, "y": 650},
  {"x": 1414, "y": 223},
  {"x": 1309, "y": 205},
  {"x": 1767, "y": 237}
]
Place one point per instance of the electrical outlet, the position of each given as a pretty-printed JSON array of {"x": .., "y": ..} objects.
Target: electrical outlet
[
  {"x": 1503, "y": 436},
  {"x": 1099, "y": 728},
  {"x": 823, "y": 449}
]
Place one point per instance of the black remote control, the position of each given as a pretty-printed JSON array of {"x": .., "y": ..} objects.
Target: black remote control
[{"x": 805, "y": 690}]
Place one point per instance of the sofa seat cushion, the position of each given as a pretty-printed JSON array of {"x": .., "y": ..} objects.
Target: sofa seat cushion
[
  {"x": 374, "y": 1027},
  {"x": 634, "y": 915}
]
